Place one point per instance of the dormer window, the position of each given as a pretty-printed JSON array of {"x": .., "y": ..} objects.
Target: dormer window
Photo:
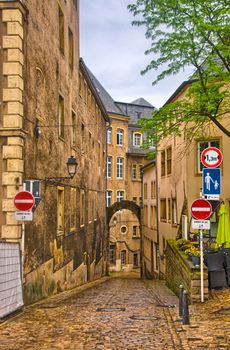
[{"x": 137, "y": 139}]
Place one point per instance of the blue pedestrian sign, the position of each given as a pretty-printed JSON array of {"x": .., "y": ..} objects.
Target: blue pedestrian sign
[{"x": 211, "y": 181}]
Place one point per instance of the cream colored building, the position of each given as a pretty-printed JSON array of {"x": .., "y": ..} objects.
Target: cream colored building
[
  {"x": 179, "y": 178},
  {"x": 150, "y": 237}
]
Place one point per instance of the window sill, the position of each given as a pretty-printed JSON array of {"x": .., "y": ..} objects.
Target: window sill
[
  {"x": 72, "y": 232},
  {"x": 74, "y": 147},
  {"x": 61, "y": 138},
  {"x": 60, "y": 233}
]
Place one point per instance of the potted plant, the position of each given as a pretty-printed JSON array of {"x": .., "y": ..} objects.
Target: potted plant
[{"x": 193, "y": 254}]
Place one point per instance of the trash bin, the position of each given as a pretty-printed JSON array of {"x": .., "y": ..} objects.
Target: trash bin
[{"x": 216, "y": 270}]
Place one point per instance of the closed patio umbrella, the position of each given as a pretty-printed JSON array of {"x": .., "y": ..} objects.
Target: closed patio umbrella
[{"x": 223, "y": 230}]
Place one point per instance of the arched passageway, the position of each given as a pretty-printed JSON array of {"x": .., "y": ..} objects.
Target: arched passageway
[{"x": 124, "y": 236}]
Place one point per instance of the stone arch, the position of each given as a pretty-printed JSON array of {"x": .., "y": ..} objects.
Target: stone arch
[
  {"x": 110, "y": 211},
  {"x": 125, "y": 204}
]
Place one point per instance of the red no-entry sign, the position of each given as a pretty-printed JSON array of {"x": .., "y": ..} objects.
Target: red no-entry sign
[
  {"x": 201, "y": 209},
  {"x": 24, "y": 201}
]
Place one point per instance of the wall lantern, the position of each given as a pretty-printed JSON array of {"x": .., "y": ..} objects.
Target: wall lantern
[{"x": 71, "y": 167}]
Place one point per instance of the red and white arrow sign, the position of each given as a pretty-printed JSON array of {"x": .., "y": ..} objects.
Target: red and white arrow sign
[
  {"x": 24, "y": 201},
  {"x": 201, "y": 209}
]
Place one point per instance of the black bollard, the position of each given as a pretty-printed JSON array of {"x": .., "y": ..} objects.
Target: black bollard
[
  {"x": 181, "y": 290},
  {"x": 185, "y": 316}
]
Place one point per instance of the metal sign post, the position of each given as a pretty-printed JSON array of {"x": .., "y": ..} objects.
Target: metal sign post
[
  {"x": 23, "y": 201},
  {"x": 201, "y": 267},
  {"x": 201, "y": 210}
]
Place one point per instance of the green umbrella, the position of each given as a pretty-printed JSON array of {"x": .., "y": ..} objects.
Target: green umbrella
[{"x": 223, "y": 230}]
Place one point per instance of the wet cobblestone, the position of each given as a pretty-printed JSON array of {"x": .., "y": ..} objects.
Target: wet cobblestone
[{"x": 118, "y": 313}]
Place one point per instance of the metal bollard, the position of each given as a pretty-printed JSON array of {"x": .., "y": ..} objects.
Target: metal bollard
[
  {"x": 181, "y": 290},
  {"x": 185, "y": 312}
]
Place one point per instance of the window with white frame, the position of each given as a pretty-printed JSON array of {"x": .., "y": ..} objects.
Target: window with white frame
[
  {"x": 108, "y": 198},
  {"x": 109, "y": 136},
  {"x": 201, "y": 145},
  {"x": 123, "y": 257},
  {"x": 120, "y": 137},
  {"x": 137, "y": 139},
  {"x": 120, "y": 168},
  {"x": 134, "y": 171},
  {"x": 174, "y": 211},
  {"x": 120, "y": 196},
  {"x": 140, "y": 171},
  {"x": 112, "y": 254},
  {"x": 109, "y": 167},
  {"x": 169, "y": 160}
]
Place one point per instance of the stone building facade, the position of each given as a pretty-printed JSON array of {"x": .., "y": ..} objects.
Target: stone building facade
[
  {"x": 49, "y": 112},
  {"x": 125, "y": 158}
]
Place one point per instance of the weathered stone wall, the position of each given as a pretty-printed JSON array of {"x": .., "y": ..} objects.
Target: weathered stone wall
[
  {"x": 182, "y": 271},
  {"x": 35, "y": 74},
  {"x": 11, "y": 133}
]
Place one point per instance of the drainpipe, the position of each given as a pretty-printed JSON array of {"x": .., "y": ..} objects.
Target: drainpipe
[
  {"x": 106, "y": 218},
  {"x": 141, "y": 236},
  {"x": 157, "y": 217}
]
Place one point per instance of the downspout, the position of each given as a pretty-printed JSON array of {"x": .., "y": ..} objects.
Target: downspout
[
  {"x": 141, "y": 235},
  {"x": 106, "y": 214},
  {"x": 157, "y": 217}
]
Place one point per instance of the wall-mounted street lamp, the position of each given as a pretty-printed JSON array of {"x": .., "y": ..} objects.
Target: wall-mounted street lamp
[{"x": 72, "y": 168}]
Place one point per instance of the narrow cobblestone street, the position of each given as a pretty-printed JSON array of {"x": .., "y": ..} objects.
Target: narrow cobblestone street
[{"x": 116, "y": 313}]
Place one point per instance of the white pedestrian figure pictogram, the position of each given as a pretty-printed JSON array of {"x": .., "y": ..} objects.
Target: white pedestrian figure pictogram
[
  {"x": 216, "y": 184},
  {"x": 207, "y": 181}
]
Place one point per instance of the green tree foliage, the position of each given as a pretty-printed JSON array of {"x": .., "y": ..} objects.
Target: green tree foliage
[{"x": 188, "y": 33}]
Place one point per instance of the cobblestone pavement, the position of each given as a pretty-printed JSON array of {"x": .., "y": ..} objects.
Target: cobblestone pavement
[
  {"x": 118, "y": 313},
  {"x": 209, "y": 323}
]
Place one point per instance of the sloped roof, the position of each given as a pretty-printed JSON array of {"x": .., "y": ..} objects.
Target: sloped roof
[
  {"x": 88, "y": 77},
  {"x": 107, "y": 100},
  {"x": 142, "y": 102}
]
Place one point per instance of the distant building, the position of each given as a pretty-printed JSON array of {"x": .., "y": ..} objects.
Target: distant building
[
  {"x": 51, "y": 111},
  {"x": 125, "y": 158}
]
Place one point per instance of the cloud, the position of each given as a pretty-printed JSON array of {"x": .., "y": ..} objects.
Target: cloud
[{"x": 114, "y": 50}]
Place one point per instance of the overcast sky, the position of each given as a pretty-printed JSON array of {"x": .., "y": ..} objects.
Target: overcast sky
[{"x": 113, "y": 50}]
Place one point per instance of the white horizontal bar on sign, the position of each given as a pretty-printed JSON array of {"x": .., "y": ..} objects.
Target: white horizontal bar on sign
[
  {"x": 201, "y": 209},
  {"x": 24, "y": 201}
]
